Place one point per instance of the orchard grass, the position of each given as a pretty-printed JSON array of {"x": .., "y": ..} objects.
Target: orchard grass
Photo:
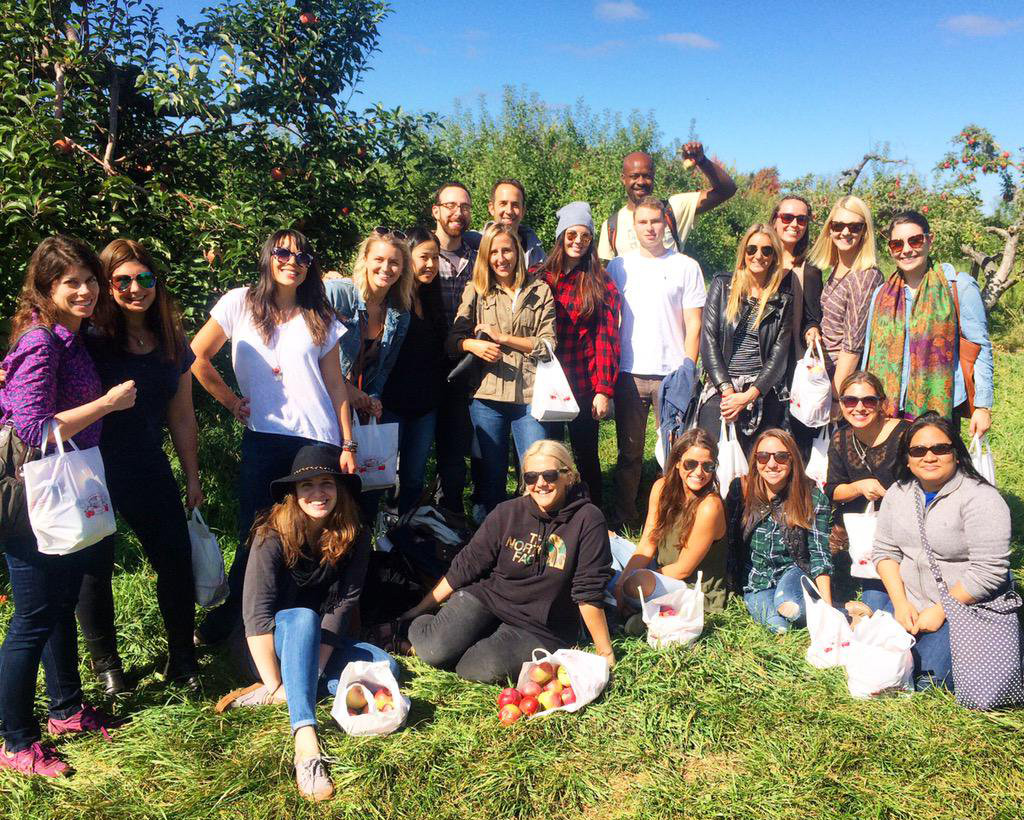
[{"x": 738, "y": 726}]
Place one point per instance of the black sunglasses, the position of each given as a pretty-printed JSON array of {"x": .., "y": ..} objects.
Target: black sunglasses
[
  {"x": 801, "y": 219},
  {"x": 691, "y": 464},
  {"x": 920, "y": 451},
  {"x": 384, "y": 230},
  {"x": 766, "y": 250},
  {"x": 302, "y": 259},
  {"x": 869, "y": 402},
  {"x": 853, "y": 227},
  {"x": 122, "y": 282},
  {"x": 781, "y": 457},
  {"x": 549, "y": 476},
  {"x": 916, "y": 242}
]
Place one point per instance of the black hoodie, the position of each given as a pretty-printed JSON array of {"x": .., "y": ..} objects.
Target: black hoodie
[{"x": 532, "y": 570}]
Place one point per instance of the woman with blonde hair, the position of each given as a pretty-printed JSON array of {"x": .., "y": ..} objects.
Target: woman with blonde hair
[
  {"x": 745, "y": 340},
  {"x": 538, "y": 564},
  {"x": 506, "y": 320},
  {"x": 845, "y": 252}
]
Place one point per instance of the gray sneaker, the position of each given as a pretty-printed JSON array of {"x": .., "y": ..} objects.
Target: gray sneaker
[
  {"x": 312, "y": 779},
  {"x": 254, "y": 695}
]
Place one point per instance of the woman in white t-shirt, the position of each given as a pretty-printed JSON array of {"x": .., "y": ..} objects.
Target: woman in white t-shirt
[{"x": 284, "y": 352}]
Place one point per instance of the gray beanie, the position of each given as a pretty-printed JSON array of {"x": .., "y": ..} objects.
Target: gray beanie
[{"x": 575, "y": 213}]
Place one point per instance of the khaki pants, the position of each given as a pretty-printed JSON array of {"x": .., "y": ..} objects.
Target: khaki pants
[{"x": 634, "y": 396}]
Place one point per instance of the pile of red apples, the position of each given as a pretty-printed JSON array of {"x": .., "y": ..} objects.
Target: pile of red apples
[
  {"x": 547, "y": 688},
  {"x": 358, "y": 704}
]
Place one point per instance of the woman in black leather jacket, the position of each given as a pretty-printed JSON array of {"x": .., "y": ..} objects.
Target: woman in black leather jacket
[{"x": 745, "y": 341}]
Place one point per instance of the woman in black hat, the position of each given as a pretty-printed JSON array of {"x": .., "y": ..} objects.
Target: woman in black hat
[{"x": 305, "y": 573}]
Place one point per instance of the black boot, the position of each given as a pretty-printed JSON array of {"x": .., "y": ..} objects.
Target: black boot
[
  {"x": 110, "y": 674},
  {"x": 182, "y": 669}
]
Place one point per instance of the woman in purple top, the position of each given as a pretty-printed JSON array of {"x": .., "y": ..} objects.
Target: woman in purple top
[{"x": 50, "y": 378}]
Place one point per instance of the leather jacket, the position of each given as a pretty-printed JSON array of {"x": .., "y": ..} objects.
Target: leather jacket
[{"x": 717, "y": 336}]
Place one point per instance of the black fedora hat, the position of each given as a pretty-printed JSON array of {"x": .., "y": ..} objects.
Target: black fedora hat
[{"x": 315, "y": 460}]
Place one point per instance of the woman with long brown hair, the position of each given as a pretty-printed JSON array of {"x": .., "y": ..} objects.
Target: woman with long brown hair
[
  {"x": 302, "y": 585},
  {"x": 781, "y": 533},
  {"x": 143, "y": 341}
]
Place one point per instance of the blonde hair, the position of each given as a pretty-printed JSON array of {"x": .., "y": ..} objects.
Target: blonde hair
[
  {"x": 552, "y": 449},
  {"x": 824, "y": 253},
  {"x": 400, "y": 293},
  {"x": 743, "y": 279},
  {"x": 483, "y": 278}
]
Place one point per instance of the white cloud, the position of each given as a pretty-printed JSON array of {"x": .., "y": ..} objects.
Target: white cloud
[
  {"x": 592, "y": 50},
  {"x": 980, "y": 25},
  {"x": 623, "y": 10},
  {"x": 687, "y": 39}
]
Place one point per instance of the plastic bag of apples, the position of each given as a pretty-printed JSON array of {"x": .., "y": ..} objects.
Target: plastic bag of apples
[
  {"x": 676, "y": 617},
  {"x": 368, "y": 701},
  {"x": 565, "y": 680}
]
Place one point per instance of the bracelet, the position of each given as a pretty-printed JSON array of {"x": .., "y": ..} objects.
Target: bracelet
[{"x": 349, "y": 446}]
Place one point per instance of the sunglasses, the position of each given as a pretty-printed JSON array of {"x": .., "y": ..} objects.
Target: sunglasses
[
  {"x": 383, "y": 230},
  {"x": 920, "y": 451},
  {"x": 781, "y": 457},
  {"x": 122, "y": 282},
  {"x": 302, "y": 258},
  {"x": 801, "y": 219},
  {"x": 549, "y": 476},
  {"x": 584, "y": 237},
  {"x": 691, "y": 464},
  {"x": 869, "y": 402},
  {"x": 915, "y": 242},
  {"x": 853, "y": 227},
  {"x": 766, "y": 250}
]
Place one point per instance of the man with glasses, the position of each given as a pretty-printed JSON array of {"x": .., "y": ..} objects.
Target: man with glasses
[{"x": 618, "y": 232}]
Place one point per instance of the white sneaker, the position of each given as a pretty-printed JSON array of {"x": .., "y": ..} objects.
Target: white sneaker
[{"x": 312, "y": 779}]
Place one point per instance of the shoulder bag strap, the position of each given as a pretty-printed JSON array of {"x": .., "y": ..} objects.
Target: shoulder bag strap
[
  {"x": 932, "y": 563},
  {"x": 613, "y": 224}
]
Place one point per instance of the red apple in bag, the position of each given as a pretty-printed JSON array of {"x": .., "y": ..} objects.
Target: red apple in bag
[
  {"x": 528, "y": 705},
  {"x": 531, "y": 689},
  {"x": 549, "y": 700},
  {"x": 355, "y": 699},
  {"x": 542, "y": 672},
  {"x": 568, "y": 696},
  {"x": 563, "y": 676}
]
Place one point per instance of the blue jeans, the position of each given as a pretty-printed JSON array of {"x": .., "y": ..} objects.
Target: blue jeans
[
  {"x": 763, "y": 605},
  {"x": 297, "y": 644},
  {"x": 493, "y": 421},
  {"x": 45, "y": 591},
  {"x": 415, "y": 435}
]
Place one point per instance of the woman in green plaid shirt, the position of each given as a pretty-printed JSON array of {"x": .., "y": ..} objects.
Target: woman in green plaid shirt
[{"x": 782, "y": 533}]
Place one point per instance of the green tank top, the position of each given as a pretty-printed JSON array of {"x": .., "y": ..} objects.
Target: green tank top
[{"x": 713, "y": 567}]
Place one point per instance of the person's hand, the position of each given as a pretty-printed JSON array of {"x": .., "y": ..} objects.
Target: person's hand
[
  {"x": 601, "y": 408},
  {"x": 347, "y": 462},
  {"x": 358, "y": 399},
  {"x": 870, "y": 488},
  {"x": 811, "y": 336},
  {"x": 733, "y": 404},
  {"x": 193, "y": 492},
  {"x": 609, "y": 655},
  {"x": 240, "y": 409},
  {"x": 981, "y": 421},
  {"x": 906, "y": 614},
  {"x": 374, "y": 407},
  {"x": 694, "y": 150},
  {"x": 492, "y": 333},
  {"x": 488, "y": 351},
  {"x": 931, "y": 619},
  {"x": 121, "y": 396}
]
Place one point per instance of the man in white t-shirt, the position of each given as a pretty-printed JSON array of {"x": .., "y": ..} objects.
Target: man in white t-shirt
[
  {"x": 618, "y": 234},
  {"x": 663, "y": 298}
]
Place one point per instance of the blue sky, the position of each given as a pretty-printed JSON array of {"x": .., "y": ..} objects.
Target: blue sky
[{"x": 795, "y": 84}]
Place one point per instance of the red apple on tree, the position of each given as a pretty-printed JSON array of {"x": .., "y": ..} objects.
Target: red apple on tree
[
  {"x": 542, "y": 672},
  {"x": 277, "y": 174},
  {"x": 509, "y": 714},
  {"x": 63, "y": 145},
  {"x": 307, "y": 18},
  {"x": 528, "y": 705}
]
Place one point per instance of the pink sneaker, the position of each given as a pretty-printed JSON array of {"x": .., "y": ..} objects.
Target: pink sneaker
[
  {"x": 86, "y": 720},
  {"x": 36, "y": 759}
]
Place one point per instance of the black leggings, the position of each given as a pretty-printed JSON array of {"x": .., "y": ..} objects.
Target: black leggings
[
  {"x": 466, "y": 635},
  {"x": 147, "y": 498}
]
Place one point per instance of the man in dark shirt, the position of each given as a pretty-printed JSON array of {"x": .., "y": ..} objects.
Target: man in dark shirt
[{"x": 507, "y": 206}]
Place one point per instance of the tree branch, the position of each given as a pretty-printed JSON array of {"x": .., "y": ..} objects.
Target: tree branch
[
  {"x": 1000, "y": 232},
  {"x": 850, "y": 175},
  {"x": 115, "y": 98}
]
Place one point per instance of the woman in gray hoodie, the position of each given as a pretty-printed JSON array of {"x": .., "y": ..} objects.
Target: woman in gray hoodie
[{"x": 967, "y": 524}]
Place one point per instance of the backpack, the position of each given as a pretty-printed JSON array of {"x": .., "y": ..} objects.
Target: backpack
[{"x": 613, "y": 224}]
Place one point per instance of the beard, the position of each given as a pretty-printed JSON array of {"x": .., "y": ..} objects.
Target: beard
[{"x": 454, "y": 230}]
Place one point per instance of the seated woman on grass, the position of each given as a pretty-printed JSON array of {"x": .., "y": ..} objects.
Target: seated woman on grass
[
  {"x": 781, "y": 533},
  {"x": 537, "y": 563},
  {"x": 685, "y": 532},
  {"x": 305, "y": 574}
]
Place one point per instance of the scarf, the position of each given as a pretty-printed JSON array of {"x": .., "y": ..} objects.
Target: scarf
[
  {"x": 933, "y": 340},
  {"x": 310, "y": 573}
]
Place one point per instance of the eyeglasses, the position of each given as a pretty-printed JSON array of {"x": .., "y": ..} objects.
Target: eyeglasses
[
  {"x": 383, "y": 230},
  {"x": 920, "y": 451},
  {"x": 801, "y": 219},
  {"x": 549, "y": 476},
  {"x": 781, "y": 457},
  {"x": 767, "y": 251},
  {"x": 302, "y": 258},
  {"x": 853, "y": 227},
  {"x": 455, "y": 206},
  {"x": 691, "y": 464},
  {"x": 122, "y": 282},
  {"x": 869, "y": 402},
  {"x": 916, "y": 242},
  {"x": 584, "y": 237}
]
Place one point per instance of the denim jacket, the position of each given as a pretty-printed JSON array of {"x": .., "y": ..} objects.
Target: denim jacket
[{"x": 344, "y": 297}]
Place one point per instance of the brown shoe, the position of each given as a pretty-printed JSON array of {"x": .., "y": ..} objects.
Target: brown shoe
[
  {"x": 313, "y": 780},
  {"x": 253, "y": 695}
]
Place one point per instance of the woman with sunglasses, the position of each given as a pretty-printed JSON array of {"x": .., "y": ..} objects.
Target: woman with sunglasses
[
  {"x": 537, "y": 565},
  {"x": 781, "y": 533},
  {"x": 745, "y": 340},
  {"x": 284, "y": 351},
  {"x": 685, "y": 531},
  {"x": 917, "y": 321},
  {"x": 506, "y": 320},
  {"x": 967, "y": 525},
  {"x": 845, "y": 252},
  {"x": 143, "y": 342},
  {"x": 587, "y": 307}
]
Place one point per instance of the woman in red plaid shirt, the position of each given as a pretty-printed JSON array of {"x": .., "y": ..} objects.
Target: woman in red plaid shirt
[{"x": 587, "y": 306}]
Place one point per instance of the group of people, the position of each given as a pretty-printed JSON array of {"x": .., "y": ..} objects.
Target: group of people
[{"x": 98, "y": 355}]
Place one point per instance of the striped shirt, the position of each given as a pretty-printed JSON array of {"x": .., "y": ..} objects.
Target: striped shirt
[
  {"x": 845, "y": 304},
  {"x": 746, "y": 352}
]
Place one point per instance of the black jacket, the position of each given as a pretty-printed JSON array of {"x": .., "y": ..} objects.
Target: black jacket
[{"x": 774, "y": 333}]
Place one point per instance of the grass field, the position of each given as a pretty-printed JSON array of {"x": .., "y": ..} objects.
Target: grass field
[{"x": 738, "y": 726}]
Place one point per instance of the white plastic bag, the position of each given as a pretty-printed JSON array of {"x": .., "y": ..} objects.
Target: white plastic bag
[
  {"x": 377, "y": 453},
  {"x": 685, "y": 626},
  {"x": 810, "y": 398},
  {"x": 588, "y": 675},
  {"x": 817, "y": 463},
  {"x": 981, "y": 458},
  {"x": 68, "y": 503},
  {"x": 732, "y": 463},
  {"x": 208, "y": 576},
  {"x": 860, "y": 529},
  {"x": 878, "y": 660},
  {"x": 828, "y": 628},
  {"x": 370, "y": 676},
  {"x": 552, "y": 397}
]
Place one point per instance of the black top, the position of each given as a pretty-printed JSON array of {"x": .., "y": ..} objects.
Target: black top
[
  {"x": 533, "y": 570},
  {"x": 417, "y": 377},
  {"x": 846, "y": 465},
  {"x": 139, "y": 429}
]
